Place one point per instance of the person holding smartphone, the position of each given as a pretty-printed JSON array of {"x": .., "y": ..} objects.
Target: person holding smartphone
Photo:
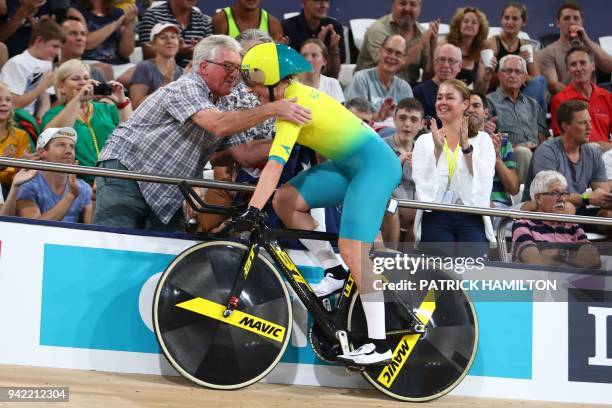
[{"x": 80, "y": 108}]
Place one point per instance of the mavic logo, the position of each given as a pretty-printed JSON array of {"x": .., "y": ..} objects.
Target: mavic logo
[
  {"x": 262, "y": 327},
  {"x": 406, "y": 344},
  {"x": 400, "y": 355},
  {"x": 238, "y": 318}
]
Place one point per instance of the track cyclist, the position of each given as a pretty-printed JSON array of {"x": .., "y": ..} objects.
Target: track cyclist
[{"x": 361, "y": 173}]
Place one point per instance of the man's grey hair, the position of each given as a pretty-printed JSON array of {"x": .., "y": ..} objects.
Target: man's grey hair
[
  {"x": 455, "y": 49},
  {"x": 253, "y": 35},
  {"x": 543, "y": 180},
  {"x": 504, "y": 60},
  {"x": 208, "y": 48},
  {"x": 360, "y": 104}
]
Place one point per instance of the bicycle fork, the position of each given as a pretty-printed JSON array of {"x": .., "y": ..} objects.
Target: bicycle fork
[{"x": 234, "y": 297}]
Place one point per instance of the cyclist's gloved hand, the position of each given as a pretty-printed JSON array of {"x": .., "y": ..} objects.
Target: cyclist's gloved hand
[{"x": 248, "y": 219}]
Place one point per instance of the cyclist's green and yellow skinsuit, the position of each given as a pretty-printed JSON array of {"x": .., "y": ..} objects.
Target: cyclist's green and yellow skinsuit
[{"x": 362, "y": 170}]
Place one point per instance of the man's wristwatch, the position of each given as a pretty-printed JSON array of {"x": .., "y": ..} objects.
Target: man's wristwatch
[
  {"x": 469, "y": 150},
  {"x": 585, "y": 199}
]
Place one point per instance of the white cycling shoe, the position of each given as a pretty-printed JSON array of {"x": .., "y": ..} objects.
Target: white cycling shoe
[
  {"x": 365, "y": 355},
  {"x": 327, "y": 286}
]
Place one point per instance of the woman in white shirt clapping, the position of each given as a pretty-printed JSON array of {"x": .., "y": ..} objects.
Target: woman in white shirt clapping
[{"x": 454, "y": 165}]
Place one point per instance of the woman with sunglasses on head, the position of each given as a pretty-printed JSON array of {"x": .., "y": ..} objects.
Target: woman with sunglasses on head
[
  {"x": 454, "y": 164},
  {"x": 548, "y": 242},
  {"x": 513, "y": 20}
]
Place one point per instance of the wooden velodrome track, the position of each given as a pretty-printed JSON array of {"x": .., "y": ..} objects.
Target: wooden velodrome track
[{"x": 102, "y": 389}]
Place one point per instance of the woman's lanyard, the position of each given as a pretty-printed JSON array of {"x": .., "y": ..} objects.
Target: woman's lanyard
[
  {"x": 451, "y": 160},
  {"x": 87, "y": 123}
]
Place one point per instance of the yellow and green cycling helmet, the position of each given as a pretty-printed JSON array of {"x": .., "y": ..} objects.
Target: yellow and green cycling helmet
[{"x": 268, "y": 63}]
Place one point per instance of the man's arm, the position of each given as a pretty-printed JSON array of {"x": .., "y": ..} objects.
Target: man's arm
[
  {"x": 29, "y": 209},
  {"x": 87, "y": 214},
  {"x": 246, "y": 155},
  {"x": 554, "y": 85},
  {"x": 508, "y": 177},
  {"x": 547, "y": 257},
  {"x": 95, "y": 38},
  {"x": 546, "y": 64},
  {"x": 223, "y": 124},
  {"x": 10, "y": 204},
  {"x": 603, "y": 60},
  {"x": 219, "y": 23},
  {"x": 276, "y": 29},
  {"x": 587, "y": 256},
  {"x": 333, "y": 48}
]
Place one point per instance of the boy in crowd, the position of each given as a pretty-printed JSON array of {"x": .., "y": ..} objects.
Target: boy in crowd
[
  {"x": 29, "y": 74},
  {"x": 408, "y": 121}
]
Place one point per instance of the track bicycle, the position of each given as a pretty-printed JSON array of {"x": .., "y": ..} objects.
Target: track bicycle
[{"x": 222, "y": 315}]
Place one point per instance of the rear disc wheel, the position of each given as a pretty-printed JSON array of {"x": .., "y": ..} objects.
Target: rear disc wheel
[{"x": 201, "y": 344}]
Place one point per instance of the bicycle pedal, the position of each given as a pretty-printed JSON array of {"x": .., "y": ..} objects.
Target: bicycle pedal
[{"x": 354, "y": 369}]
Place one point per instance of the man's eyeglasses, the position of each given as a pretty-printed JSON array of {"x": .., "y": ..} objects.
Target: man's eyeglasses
[
  {"x": 227, "y": 66},
  {"x": 510, "y": 71},
  {"x": 391, "y": 51},
  {"x": 556, "y": 194},
  {"x": 443, "y": 60}
]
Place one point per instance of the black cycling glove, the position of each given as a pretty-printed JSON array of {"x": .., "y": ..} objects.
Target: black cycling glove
[{"x": 248, "y": 220}]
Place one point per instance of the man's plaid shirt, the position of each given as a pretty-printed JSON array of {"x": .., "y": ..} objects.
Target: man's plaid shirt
[{"x": 161, "y": 138}]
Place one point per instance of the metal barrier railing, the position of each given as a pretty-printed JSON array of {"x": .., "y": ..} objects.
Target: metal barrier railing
[{"x": 156, "y": 178}]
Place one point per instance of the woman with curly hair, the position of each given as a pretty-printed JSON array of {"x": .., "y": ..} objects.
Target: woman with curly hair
[{"x": 468, "y": 31}]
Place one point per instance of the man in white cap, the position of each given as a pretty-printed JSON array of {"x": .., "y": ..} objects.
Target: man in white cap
[{"x": 51, "y": 195}]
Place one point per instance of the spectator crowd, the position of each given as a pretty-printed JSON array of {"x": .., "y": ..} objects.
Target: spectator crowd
[{"x": 474, "y": 118}]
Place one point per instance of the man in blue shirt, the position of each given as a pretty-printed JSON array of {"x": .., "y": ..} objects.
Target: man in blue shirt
[
  {"x": 313, "y": 22},
  {"x": 51, "y": 195}
]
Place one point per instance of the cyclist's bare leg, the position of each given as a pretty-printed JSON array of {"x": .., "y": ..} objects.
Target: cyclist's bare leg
[{"x": 293, "y": 210}]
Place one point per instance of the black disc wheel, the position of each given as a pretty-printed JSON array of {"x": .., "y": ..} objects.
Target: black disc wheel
[
  {"x": 425, "y": 365},
  {"x": 201, "y": 344}
]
